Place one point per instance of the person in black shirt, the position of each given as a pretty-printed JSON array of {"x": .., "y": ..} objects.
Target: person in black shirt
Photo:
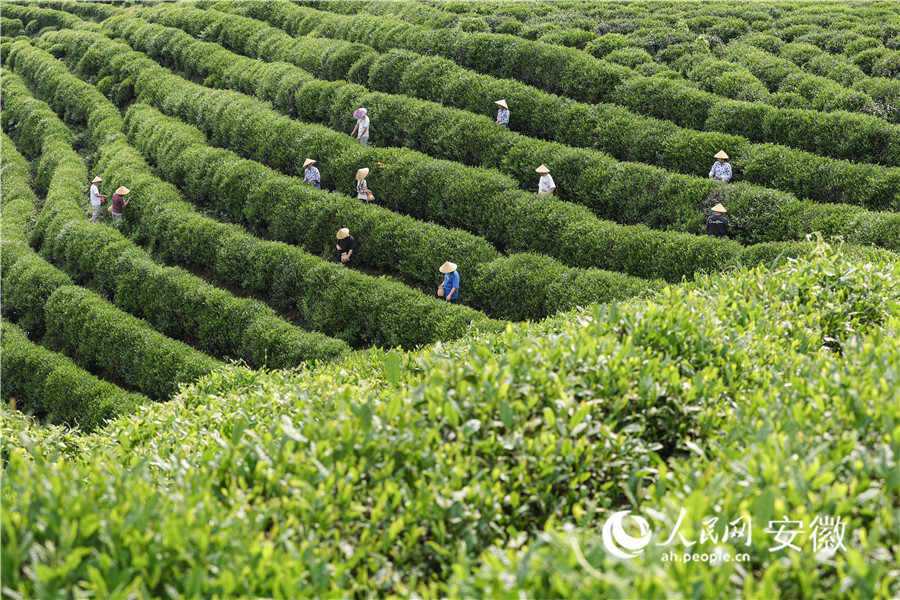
[
  {"x": 716, "y": 223},
  {"x": 345, "y": 245}
]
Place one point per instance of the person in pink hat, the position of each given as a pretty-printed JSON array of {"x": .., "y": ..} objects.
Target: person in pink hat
[{"x": 362, "y": 124}]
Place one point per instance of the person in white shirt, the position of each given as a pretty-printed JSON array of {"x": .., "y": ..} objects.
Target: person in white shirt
[
  {"x": 96, "y": 200},
  {"x": 546, "y": 185},
  {"x": 362, "y": 124},
  {"x": 502, "y": 113}
]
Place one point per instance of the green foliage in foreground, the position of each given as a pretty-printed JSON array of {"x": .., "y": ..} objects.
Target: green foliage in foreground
[{"x": 486, "y": 468}]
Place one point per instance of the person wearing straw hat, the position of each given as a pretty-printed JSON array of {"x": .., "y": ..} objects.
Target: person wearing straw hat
[
  {"x": 119, "y": 202},
  {"x": 503, "y": 113},
  {"x": 96, "y": 200},
  {"x": 362, "y": 188},
  {"x": 721, "y": 169},
  {"x": 546, "y": 185},
  {"x": 311, "y": 175},
  {"x": 345, "y": 246},
  {"x": 716, "y": 223},
  {"x": 362, "y": 124},
  {"x": 449, "y": 290}
]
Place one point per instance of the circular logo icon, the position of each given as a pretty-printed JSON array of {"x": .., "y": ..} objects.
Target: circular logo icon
[{"x": 614, "y": 535}]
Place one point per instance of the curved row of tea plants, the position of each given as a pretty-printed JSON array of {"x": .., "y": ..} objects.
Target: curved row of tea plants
[
  {"x": 718, "y": 77},
  {"x": 459, "y": 471},
  {"x": 51, "y": 387},
  {"x": 632, "y": 40},
  {"x": 97, "y": 335},
  {"x": 176, "y": 303},
  {"x": 516, "y": 288},
  {"x": 582, "y": 77},
  {"x": 587, "y": 176},
  {"x": 486, "y": 203},
  {"x": 606, "y": 127},
  {"x": 327, "y": 297}
]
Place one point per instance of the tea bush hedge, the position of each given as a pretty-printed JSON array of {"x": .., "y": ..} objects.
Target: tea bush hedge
[
  {"x": 612, "y": 129},
  {"x": 483, "y": 201},
  {"x": 456, "y": 471},
  {"x": 106, "y": 340},
  {"x": 612, "y": 190},
  {"x": 309, "y": 217},
  {"x": 53, "y": 388},
  {"x": 98, "y": 336},
  {"x": 330, "y": 299},
  {"x": 573, "y": 73},
  {"x": 175, "y": 302},
  {"x": 780, "y": 74}
]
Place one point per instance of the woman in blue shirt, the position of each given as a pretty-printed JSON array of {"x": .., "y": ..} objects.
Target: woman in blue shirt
[
  {"x": 311, "y": 174},
  {"x": 721, "y": 169},
  {"x": 449, "y": 290},
  {"x": 503, "y": 113}
]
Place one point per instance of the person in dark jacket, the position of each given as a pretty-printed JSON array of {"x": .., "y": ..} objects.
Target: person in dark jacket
[
  {"x": 716, "y": 223},
  {"x": 119, "y": 202},
  {"x": 345, "y": 246}
]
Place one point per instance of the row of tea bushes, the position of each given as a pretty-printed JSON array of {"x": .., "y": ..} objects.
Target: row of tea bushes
[
  {"x": 51, "y": 387},
  {"x": 487, "y": 203},
  {"x": 718, "y": 77},
  {"x": 28, "y": 280},
  {"x": 173, "y": 301},
  {"x": 516, "y": 288},
  {"x": 669, "y": 200},
  {"x": 436, "y": 473},
  {"x": 609, "y": 128},
  {"x": 97, "y": 335},
  {"x": 784, "y": 76},
  {"x": 327, "y": 297},
  {"x": 580, "y": 76}
]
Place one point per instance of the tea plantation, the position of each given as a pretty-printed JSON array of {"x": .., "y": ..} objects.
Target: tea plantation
[{"x": 201, "y": 401}]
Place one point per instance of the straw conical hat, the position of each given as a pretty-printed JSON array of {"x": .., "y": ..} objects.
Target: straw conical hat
[
  {"x": 501, "y": 103},
  {"x": 719, "y": 208},
  {"x": 447, "y": 267},
  {"x": 96, "y": 180},
  {"x": 361, "y": 174},
  {"x": 542, "y": 169},
  {"x": 721, "y": 154},
  {"x": 343, "y": 233},
  {"x": 123, "y": 190},
  {"x": 308, "y": 162}
]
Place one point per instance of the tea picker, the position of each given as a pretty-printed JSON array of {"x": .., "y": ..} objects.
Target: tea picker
[
  {"x": 503, "y": 113},
  {"x": 449, "y": 289},
  {"x": 546, "y": 185},
  {"x": 311, "y": 175},
  {"x": 721, "y": 169},
  {"x": 716, "y": 223}
]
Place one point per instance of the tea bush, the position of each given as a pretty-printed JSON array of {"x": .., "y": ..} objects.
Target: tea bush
[
  {"x": 175, "y": 302},
  {"x": 50, "y": 386},
  {"x": 615, "y": 130},
  {"x": 309, "y": 217},
  {"x": 573, "y": 73},
  {"x": 322, "y": 293},
  {"x": 461, "y": 471}
]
